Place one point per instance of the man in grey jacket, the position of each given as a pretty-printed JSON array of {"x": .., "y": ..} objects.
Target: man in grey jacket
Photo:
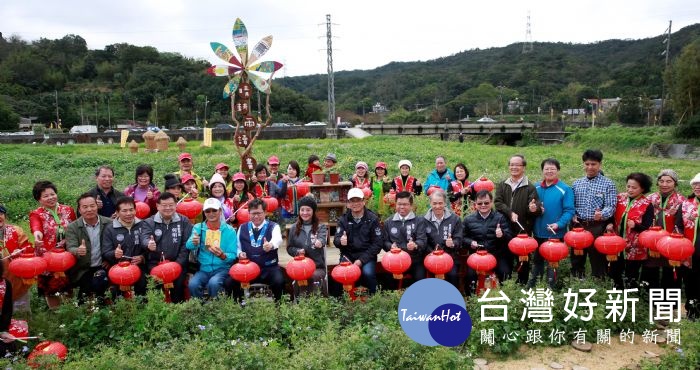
[
  {"x": 167, "y": 232},
  {"x": 83, "y": 240}
]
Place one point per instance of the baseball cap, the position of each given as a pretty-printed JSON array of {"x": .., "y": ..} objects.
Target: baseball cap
[
  {"x": 239, "y": 176},
  {"x": 331, "y": 157},
  {"x": 221, "y": 165},
  {"x": 356, "y": 193},
  {"x": 380, "y": 165},
  {"x": 186, "y": 177},
  {"x": 184, "y": 156},
  {"x": 211, "y": 203},
  {"x": 273, "y": 160},
  {"x": 361, "y": 164}
]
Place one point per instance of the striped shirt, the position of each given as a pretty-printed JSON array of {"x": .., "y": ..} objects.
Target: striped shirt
[{"x": 594, "y": 193}]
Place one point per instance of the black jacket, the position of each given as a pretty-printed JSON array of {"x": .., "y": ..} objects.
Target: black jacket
[
  {"x": 450, "y": 225},
  {"x": 170, "y": 239},
  {"x": 483, "y": 230},
  {"x": 399, "y": 232},
  {"x": 508, "y": 201},
  {"x": 132, "y": 241},
  {"x": 297, "y": 243},
  {"x": 364, "y": 238}
]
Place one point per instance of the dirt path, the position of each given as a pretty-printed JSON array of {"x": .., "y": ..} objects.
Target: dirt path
[{"x": 616, "y": 356}]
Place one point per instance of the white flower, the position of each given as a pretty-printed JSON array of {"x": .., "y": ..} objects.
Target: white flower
[
  {"x": 201, "y": 327},
  {"x": 62, "y": 326}
]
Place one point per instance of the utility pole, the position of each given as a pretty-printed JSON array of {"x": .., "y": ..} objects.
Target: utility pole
[
  {"x": 527, "y": 45},
  {"x": 58, "y": 119},
  {"x": 206, "y": 102},
  {"x": 109, "y": 114},
  {"x": 133, "y": 116},
  {"x": 331, "y": 81},
  {"x": 667, "y": 41},
  {"x": 96, "y": 121},
  {"x": 156, "y": 112}
]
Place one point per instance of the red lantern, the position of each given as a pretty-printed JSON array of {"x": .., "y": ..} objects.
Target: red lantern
[
  {"x": 483, "y": 184},
  {"x": 302, "y": 187},
  {"x": 28, "y": 266},
  {"x": 300, "y": 269},
  {"x": 432, "y": 189},
  {"x": 244, "y": 272},
  {"x": 47, "y": 348},
  {"x": 142, "y": 210},
  {"x": 553, "y": 250},
  {"x": 271, "y": 204},
  {"x": 482, "y": 262},
  {"x": 242, "y": 216},
  {"x": 167, "y": 272},
  {"x": 347, "y": 274},
  {"x": 59, "y": 261},
  {"x": 522, "y": 245},
  {"x": 189, "y": 208},
  {"x": 397, "y": 262},
  {"x": 610, "y": 245},
  {"x": 367, "y": 192},
  {"x": 18, "y": 328},
  {"x": 579, "y": 239},
  {"x": 439, "y": 263},
  {"x": 125, "y": 275},
  {"x": 649, "y": 239},
  {"x": 676, "y": 248}
]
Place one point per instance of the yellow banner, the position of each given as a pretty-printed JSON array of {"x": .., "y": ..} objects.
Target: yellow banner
[
  {"x": 124, "y": 137},
  {"x": 207, "y": 137}
]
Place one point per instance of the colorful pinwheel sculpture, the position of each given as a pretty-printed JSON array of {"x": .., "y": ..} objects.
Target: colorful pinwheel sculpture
[{"x": 240, "y": 73}]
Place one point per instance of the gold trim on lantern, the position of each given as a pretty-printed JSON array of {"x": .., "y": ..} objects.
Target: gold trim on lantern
[
  {"x": 578, "y": 252},
  {"x": 398, "y": 276},
  {"x": 611, "y": 257},
  {"x": 523, "y": 258}
]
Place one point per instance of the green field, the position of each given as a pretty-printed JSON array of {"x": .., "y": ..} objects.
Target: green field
[{"x": 317, "y": 333}]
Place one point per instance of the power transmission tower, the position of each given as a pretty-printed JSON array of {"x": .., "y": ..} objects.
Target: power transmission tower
[
  {"x": 331, "y": 81},
  {"x": 666, "y": 41},
  {"x": 527, "y": 45}
]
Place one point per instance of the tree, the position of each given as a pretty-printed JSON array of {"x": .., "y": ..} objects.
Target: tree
[
  {"x": 9, "y": 120},
  {"x": 683, "y": 78}
]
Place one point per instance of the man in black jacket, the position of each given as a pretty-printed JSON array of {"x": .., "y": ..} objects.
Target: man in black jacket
[
  {"x": 444, "y": 231},
  {"x": 167, "y": 232},
  {"x": 359, "y": 237},
  {"x": 406, "y": 231},
  {"x": 104, "y": 191},
  {"x": 489, "y": 229}
]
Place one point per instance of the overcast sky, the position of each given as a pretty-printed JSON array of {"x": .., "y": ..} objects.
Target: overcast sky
[{"x": 367, "y": 34}]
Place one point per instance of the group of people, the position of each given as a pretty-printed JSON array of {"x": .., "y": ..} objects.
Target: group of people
[{"x": 105, "y": 229}]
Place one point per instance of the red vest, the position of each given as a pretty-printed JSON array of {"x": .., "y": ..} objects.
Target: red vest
[
  {"x": 410, "y": 181},
  {"x": 666, "y": 211}
]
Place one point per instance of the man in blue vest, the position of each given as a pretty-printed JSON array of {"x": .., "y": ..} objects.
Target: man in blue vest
[{"x": 259, "y": 240}]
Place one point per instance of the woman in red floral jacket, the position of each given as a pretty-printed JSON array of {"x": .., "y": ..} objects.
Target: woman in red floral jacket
[
  {"x": 689, "y": 225},
  {"x": 633, "y": 215},
  {"x": 13, "y": 241},
  {"x": 667, "y": 204},
  {"x": 48, "y": 224},
  {"x": 143, "y": 189}
]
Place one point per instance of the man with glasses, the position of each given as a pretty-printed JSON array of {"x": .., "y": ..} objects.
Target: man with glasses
[
  {"x": 406, "y": 231},
  {"x": 517, "y": 199},
  {"x": 259, "y": 241},
  {"x": 359, "y": 238},
  {"x": 216, "y": 245},
  {"x": 167, "y": 233},
  {"x": 487, "y": 229}
]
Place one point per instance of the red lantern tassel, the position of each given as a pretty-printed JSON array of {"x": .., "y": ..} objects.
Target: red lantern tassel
[
  {"x": 675, "y": 275},
  {"x": 166, "y": 291},
  {"x": 520, "y": 265},
  {"x": 555, "y": 274}
]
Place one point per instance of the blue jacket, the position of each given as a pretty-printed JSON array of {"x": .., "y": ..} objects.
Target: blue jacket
[
  {"x": 207, "y": 260},
  {"x": 558, "y": 202},
  {"x": 434, "y": 179}
]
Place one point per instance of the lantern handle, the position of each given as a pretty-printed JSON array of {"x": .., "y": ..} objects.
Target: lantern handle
[
  {"x": 187, "y": 195},
  {"x": 162, "y": 256},
  {"x": 346, "y": 259},
  {"x": 437, "y": 247},
  {"x": 16, "y": 252},
  {"x": 551, "y": 229},
  {"x": 521, "y": 226},
  {"x": 239, "y": 208}
]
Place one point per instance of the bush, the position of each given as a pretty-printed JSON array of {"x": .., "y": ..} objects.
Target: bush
[{"x": 688, "y": 129}]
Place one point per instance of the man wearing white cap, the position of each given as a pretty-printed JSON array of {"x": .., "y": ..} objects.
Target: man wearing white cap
[
  {"x": 359, "y": 238},
  {"x": 406, "y": 182},
  {"x": 216, "y": 245},
  {"x": 689, "y": 224}
]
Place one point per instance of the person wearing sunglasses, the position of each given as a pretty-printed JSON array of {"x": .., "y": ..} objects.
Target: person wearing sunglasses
[{"x": 487, "y": 229}]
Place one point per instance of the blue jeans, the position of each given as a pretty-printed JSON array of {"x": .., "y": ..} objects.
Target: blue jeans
[
  {"x": 214, "y": 282},
  {"x": 369, "y": 276}
]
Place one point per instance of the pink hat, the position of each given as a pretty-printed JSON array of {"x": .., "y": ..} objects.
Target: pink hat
[
  {"x": 186, "y": 177},
  {"x": 221, "y": 165},
  {"x": 184, "y": 156},
  {"x": 239, "y": 176},
  {"x": 273, "y": 160}
]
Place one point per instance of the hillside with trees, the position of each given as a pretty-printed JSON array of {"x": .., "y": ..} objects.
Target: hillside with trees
[
  {"x": 124, "y": 82},
  {"x": 117, "y": 83}
]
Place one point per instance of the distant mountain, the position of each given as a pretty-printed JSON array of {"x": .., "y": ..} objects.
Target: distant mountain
[{"x": 609, "y": 68}]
